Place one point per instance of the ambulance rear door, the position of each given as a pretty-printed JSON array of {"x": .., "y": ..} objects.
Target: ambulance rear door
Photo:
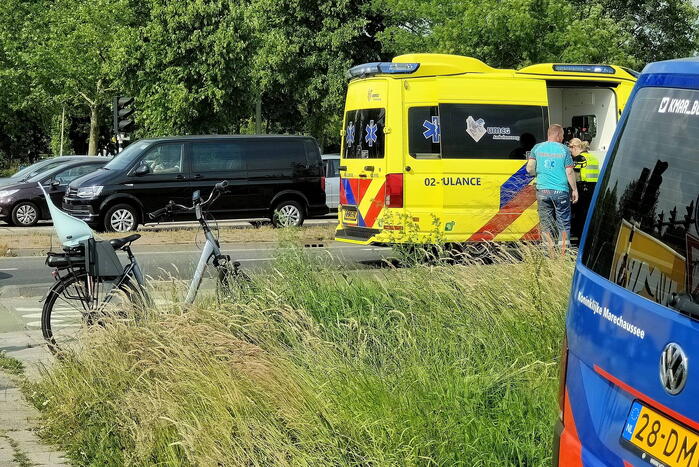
[{"x": 364, "y": 158}]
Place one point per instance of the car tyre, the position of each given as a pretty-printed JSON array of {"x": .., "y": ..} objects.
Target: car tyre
[
  {"x": 288, "y": 213},
  {"x": 121, "y": 218},
  {"x": 25, "y": 214}
]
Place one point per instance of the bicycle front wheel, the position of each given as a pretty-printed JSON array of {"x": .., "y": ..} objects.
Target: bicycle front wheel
[{"x": 70, "y": 309}]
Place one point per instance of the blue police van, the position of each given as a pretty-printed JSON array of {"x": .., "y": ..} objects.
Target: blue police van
[{"x": 629, "y": 393}]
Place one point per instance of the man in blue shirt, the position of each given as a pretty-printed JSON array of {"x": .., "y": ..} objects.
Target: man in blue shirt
[{"x": 552, "y": 164}]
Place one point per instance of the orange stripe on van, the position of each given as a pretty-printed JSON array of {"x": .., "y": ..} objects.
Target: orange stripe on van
[
  {"x": 533, "y": 235},
  {"x": 506, "y": 215},
  {"x": 570, "y": 449},
  {"x": 376, "y": 207}
]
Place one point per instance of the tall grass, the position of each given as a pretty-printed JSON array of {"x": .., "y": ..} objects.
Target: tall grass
[{"x": 315, "y": 365}]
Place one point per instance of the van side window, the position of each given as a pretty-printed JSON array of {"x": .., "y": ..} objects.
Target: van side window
[
  {"x": 334, "y": 168},
  {"x": 216, "y": 156},
  {"x": 312, "y": 152},
  {"x": 274, "y": 154},
  {"x": 164, "y": 159},
  {"x": 424, "y": 132},
  {"x": 643, "y": 234},
  {"x": 364, "y": 137},
  {"x": 478, "y": 131}
]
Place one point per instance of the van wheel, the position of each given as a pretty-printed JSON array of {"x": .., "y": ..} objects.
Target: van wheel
[
  {"x": 288, "y": 214},
  {"x": 121, "y": 218},
  {"x": 25, "y": 214}
]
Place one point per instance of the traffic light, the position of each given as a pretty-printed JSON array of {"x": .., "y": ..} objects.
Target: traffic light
[{"x": 123, "y": 110}]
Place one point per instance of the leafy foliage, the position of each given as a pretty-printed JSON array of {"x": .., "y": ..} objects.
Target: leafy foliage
[{"x": 200, "y": 66}]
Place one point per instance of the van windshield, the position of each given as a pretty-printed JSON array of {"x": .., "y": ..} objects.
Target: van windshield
[
  {"x": 126, "y": 157},
  {"x": 643, "y": 233}
]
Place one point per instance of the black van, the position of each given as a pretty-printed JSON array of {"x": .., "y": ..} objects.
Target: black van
[{"x": 278, "y": 177}]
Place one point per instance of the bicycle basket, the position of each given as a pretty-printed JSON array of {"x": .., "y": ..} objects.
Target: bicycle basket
[{"x": 101, "y": 260}]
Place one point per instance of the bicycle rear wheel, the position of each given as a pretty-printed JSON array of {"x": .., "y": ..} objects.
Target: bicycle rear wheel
[
  {"x": 232, "y": 280},
  {"x": 69, "y": 310}
]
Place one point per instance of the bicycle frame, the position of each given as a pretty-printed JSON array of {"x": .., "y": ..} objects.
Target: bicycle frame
[{"x": 211, "y": 250}]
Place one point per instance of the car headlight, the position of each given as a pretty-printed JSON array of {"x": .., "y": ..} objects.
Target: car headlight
[
  {"x": 88, "y": 192},
  {"x": 6, "y": 193}
]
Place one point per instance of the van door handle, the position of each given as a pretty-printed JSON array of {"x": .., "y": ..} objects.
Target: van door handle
[
  {"x": 198, "y": 177},
  {"x": 369, "y": 168},
  {"x": 343, "y": 168},
  {"x": 362, "y": 175},
  {"x": 180, "y": 177}
]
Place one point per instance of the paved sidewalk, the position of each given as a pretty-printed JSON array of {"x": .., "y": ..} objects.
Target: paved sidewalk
[{"x": 19, "y": 443}]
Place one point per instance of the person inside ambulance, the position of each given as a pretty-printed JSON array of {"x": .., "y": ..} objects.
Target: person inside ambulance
[
  {"x": 578, "y": 149},
  {"x": 586, "y": 173}
]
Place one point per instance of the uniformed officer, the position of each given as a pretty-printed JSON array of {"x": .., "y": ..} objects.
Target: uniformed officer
[{"x": 586, "y": 173}]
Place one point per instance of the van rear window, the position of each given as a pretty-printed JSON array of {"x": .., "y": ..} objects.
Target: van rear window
[
  {"x": 643, "y": 232},
  {"x": 364, "y": 138}
]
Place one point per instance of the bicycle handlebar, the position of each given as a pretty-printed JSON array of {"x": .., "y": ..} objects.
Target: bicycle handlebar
[{"x": 171, "y": 206}]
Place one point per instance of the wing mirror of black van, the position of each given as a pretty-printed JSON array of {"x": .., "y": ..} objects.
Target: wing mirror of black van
[{"x": 142, "y": 169}]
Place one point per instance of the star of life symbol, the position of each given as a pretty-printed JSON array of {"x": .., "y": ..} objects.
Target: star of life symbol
[
  {"x": 371, "y": 137},
  {"x": 475, "y": 128},
  {"x": 350, "y": 134},
  {"x": 432, "y": 129}
]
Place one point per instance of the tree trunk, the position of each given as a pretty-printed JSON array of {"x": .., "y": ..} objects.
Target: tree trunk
[{"x": 94, "y": 131}]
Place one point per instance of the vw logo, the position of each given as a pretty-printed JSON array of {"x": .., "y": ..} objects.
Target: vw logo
[{"x": 673, "y": 368}]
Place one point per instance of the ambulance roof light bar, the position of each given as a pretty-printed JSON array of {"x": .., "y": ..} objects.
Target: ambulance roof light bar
[
  {"x": 605, "y": 69},
  {"x": 384, "y": 68}
]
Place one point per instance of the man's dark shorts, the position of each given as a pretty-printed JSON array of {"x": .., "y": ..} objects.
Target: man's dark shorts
[{"x": 554, "y": 212}]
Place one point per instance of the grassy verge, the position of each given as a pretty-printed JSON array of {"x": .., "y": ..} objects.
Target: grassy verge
[
  {"x": 11, "y": 365},
  {"x": 318, "y": 366},
  {"x": 27, "y": 239}
]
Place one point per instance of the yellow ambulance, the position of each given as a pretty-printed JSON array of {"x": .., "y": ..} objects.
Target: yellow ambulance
[{"x": 434, "y": 146}]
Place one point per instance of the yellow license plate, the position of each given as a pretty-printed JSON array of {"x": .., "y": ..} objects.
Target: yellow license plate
[
  {"x": 349, "y": 216},
  {"x": 655, "y": 435}
]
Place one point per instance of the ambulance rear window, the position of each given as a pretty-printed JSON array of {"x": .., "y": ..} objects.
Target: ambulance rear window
[
  {"x": 643, "y": 233},
  {"x": 364, "y": 137}
]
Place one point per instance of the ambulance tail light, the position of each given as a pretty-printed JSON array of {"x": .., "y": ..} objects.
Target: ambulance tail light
[
  {"x": 394, "y": 191},
  {"x": 322, "y": 183}
]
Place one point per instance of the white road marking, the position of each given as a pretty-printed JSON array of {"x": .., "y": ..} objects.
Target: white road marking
[{"x": 9, "y": 269}]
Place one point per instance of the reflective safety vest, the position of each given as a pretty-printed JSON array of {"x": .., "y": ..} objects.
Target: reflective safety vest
[{"x": 589, "y": 172}]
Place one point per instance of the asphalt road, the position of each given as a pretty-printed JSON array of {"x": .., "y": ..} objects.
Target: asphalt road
[
  {"x": 178, "y": 261},
  {"x": 47, "y": 227}
]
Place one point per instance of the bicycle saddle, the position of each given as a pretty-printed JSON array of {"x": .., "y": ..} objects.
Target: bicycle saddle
[{"x": 120, "y": 242}]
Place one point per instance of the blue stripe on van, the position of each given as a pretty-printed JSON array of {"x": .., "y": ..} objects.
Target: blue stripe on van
[
  {"x": 514, "y": 185},
  {"x": 348, "y": 191}
]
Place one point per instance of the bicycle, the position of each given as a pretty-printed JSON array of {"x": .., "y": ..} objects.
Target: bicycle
[{"x": 92, "y": 286}]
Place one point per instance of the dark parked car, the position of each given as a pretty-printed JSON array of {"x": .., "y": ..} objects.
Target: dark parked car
[
  {"x": 38, "y": 167},
  {"x": 278, "y": 177},
  {"x": 23, "y": 204}
]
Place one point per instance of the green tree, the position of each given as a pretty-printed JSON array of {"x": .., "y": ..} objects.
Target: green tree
[
  {"x": 302, "y": 51},
  {"x": 23, "y": 117},
  {"x": 187, "y": 64},
  {"x": 513, "y": 33},
  {"x": 75, "y": 54}
]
